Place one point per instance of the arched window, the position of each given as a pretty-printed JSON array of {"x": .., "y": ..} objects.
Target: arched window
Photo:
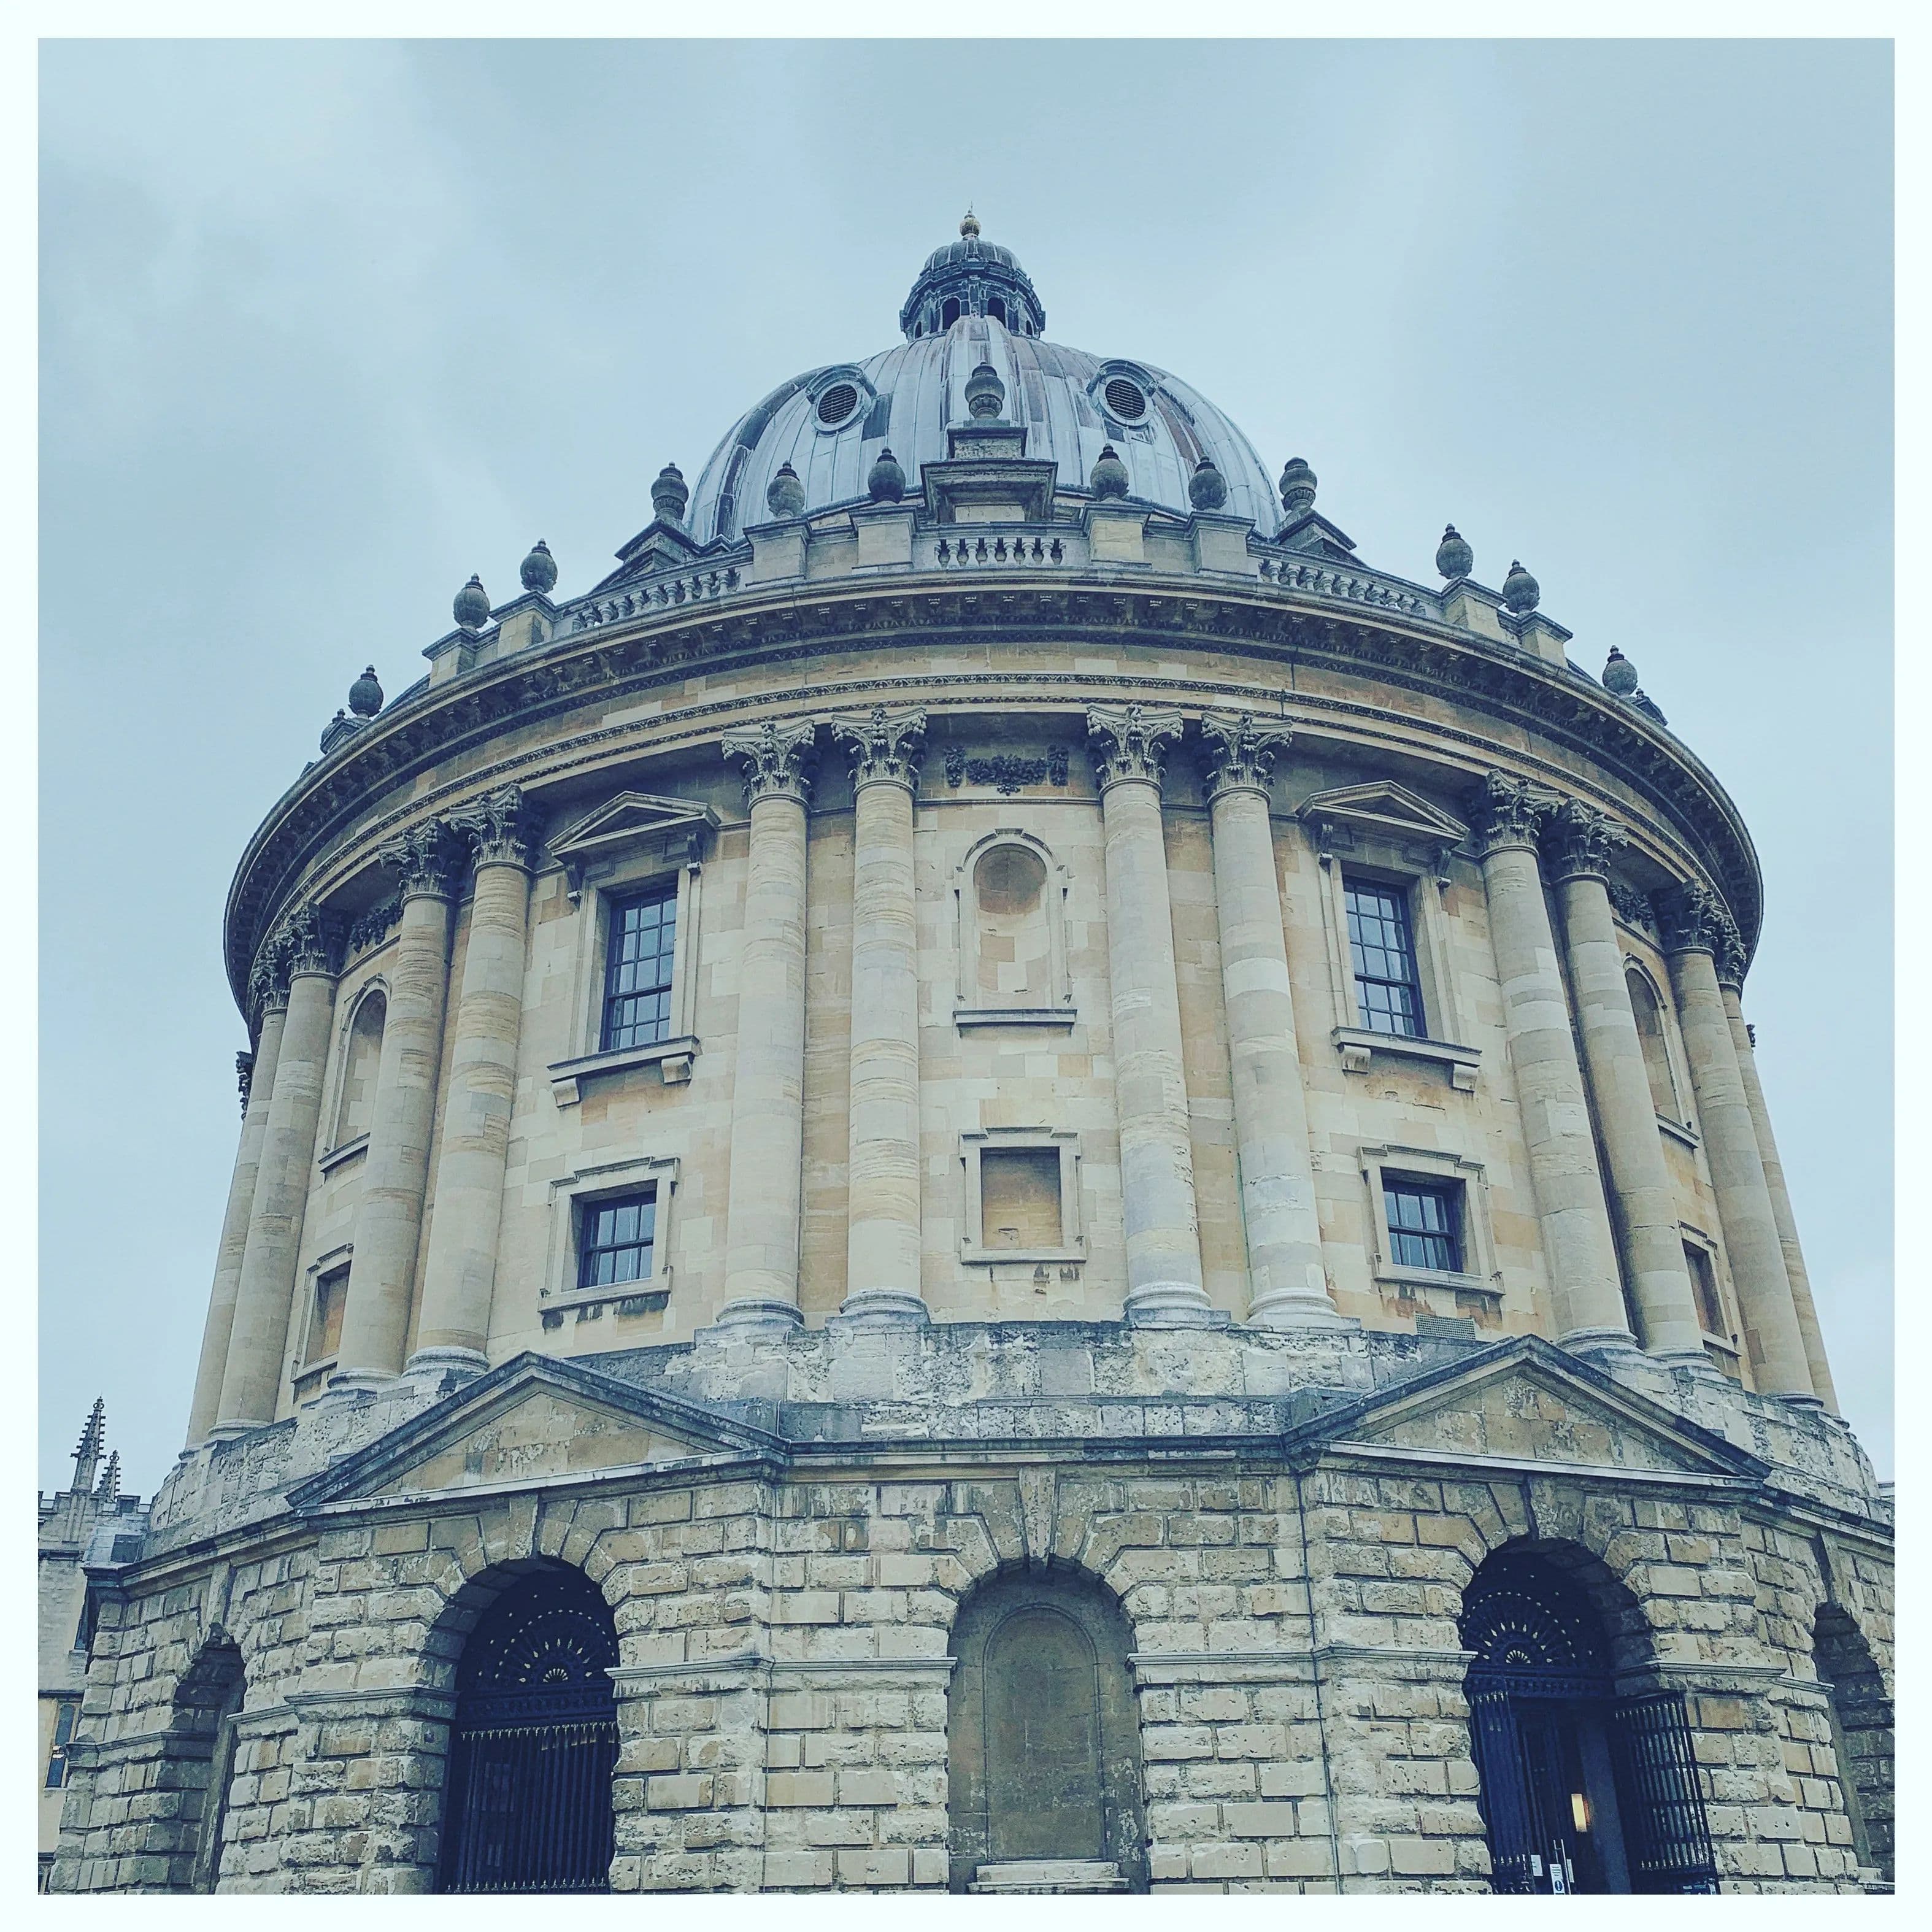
[
  {"x": 1582, "y": 1789},
  {"x": 526, "y": 1807},
  {"x": 996, "y": 311},
  {"x": 1014, "y": 965},
  {"x": 207, "y": 1702},
  {"x": 1043, "y": 1739},
  {"x": 362, "y": 1049},
  {"x": 1656, "y": 1052},
  {"x": 950, "y": 314},
  {"x": 1862, "y": 1733}
]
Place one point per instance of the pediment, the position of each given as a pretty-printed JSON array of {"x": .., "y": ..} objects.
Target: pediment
[
  {"x": 1526, "y": 1402},
  {"x": 531, "y": 1422},
  {"x": 625, "y": 821},
  {"x": 1384, "y": 807}
]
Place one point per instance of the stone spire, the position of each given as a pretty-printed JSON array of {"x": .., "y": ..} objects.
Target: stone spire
[
  {"x": 108, "y": 1489},
  {"x": 93, "y": 1440}
]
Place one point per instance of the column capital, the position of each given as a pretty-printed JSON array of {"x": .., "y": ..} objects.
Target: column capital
[
  {"x": 501, "y": 829},
  {"x": 1581, "y": 840},
  {"x": 1731, "y": 958},
  {"x": 1505, "y": 811},
  {"x": 268, "y": 991},
  {"x": 1692, "y": 918},
  {"x": 885, "y": 746},
  {"x": 244, "y": 1077},
  {"x": 1130, "y": 741},
  {"x": 311, "y": 941},
  {"x": 1241, "y": 750},
  {"x": 776, "y": 759},
  {"x": 427, "y": 857}
]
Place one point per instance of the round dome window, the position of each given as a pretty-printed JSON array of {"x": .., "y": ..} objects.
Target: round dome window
[
  {"x": 837, "y": 404},
  {"x": 1126, "y": 401}
]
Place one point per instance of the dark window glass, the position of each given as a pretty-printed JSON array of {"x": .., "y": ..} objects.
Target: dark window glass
[
  {"x": 636, "y": 970},
  {"x": 1425, "y": 1225},
  {"x": 1704, "y": 1279},
  {"x": 1381, "y": 944},
  {"x": 70, "y": 1709},
  {"x": 615, "y": 1239}
]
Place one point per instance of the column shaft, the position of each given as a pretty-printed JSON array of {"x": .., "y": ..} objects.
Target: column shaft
[
  {"x": 395, "y": 1171},
  {"x": 252, "y": 1374},
  {"x": 220, "y": 1324},
  {"x": 1795, "y": 1270},
  {"x": 459, "y": 1269},
  {"x": 1666, "y": 1305}
]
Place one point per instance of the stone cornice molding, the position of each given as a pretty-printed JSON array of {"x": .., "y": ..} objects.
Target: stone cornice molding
[
  {"x": 886, "y": 746},
  {"x": 427, "y": 858},
  {"x": 1582, "y": 840},
  {"x": 777, "y": 760},
  {"x": 1241, "y": 750},
  {"x": 1506, "y": 811},
  {"x": 1129, "y": 743},
  {"x": 1690, "y": 917},
  {"x": 502, "y": 829}
]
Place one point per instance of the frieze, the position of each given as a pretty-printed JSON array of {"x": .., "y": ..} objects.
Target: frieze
[
  {"x": 371, "y": 928},
  {"x": 1006, "y": 773},
  {"x": 1631, "y": 906}
]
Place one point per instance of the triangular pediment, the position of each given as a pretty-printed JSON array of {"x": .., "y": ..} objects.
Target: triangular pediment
[
  {"x": 1384, "y": 807},
  {"x": 625, "y": 821},
  {"x": 532, "y": 1422},
  {"x": 1527, "y": 1402}
]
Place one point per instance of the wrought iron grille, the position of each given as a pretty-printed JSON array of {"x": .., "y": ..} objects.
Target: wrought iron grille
[{"x": 1666, "y": 1836}]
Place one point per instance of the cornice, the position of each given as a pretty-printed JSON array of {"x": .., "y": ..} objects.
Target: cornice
[{"x": 332, "y": 800}]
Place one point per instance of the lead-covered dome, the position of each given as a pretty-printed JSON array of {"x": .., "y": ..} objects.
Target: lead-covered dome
[{"x": 973, "y": 303}]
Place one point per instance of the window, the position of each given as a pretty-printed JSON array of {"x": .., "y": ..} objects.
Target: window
[
  {"x": 1649, "y": 1017},
  {"x": 996, "y": 311},
  {"x": 1381, "y": 946},
  {"x": 1425, "y": 1225},
  {"x": 615, "y": 1239},
  {"x": 325, "y": 1332},
  {"x": 636, "y": 972},
  {"x": 1022, "y": 1200},
  {"x": 1019, "y": 1198},
  {"x": 950, "y": 314},
  {"x": 362, "y": 1051},
  {"x": 1704, "y": 1284},
  {"x": 63, "y": 1720}
]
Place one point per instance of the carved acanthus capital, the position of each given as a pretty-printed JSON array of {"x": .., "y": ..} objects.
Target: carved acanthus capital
[
  {"x": 777, "y": 760},
  {"x": 313, "y": 941},
  {"x": 501, "y": 829},
  {"x": 268, "y": 979},
  {"x": 1731, "y": 956},
  {"x": 885, "y": 746},
  {"x": 426, "y": 858},
  {"x": 1582, "y": 840},
  {"x": 244, "y": 1077},
  {"x": 1241, "y": 750},
  {"x": 1130, "y": 741},
  {"x": 1691, "y": 918},
  {"x": 1505, "y": 811}
]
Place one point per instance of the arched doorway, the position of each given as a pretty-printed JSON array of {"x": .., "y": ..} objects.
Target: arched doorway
[
  {"x": 1862, "y": 1733},
  {"x": 527, "y": 1804},
  {"x": 1043, "y": 1740},
  {"x": 1582, "y": 1788}
]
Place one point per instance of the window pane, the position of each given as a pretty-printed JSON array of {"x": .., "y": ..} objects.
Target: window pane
[
  {"x": 1381, "y": 948},
  {"x": 616, "y": 1240},
  {"x": 637, "y": 975},
  {"x": 1424, "y": 1228}
]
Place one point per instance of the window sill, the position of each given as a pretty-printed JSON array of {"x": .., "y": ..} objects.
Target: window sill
[
  {"x": 972, "y": 1257},
  {"x": 1408, "y": 1279},
  {"x": 629, "y": 1297},
  {"x": 1359, "y": 1047},
  {"x": 336, "y": 1156},
  {"x": 1015, "y": 1016},
  {"x": 672, "y": 1058},
  {"x": 1677, "y": 1130},
  {"x": 310, "y": 1379}
]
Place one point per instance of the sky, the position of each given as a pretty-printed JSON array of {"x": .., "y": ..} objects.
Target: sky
[{"x": 326, "y": 326}]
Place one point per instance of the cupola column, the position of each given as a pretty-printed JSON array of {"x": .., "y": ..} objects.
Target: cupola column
[
  {"x": 1730, "y": 982},
  {"x": 459, "y": 1269},
  {"x": 882, "y": 1252},
  {"x": 268, "y": 987},
  {"x": 768, "y": 1093},
  {"x": 1582, "y": 840},
  {"x": 1693, "y": 922},
  {"x": 395, "y": 1171},
  {"x": 1128, "y": 745},
  {"x": 310, "y": 948},
  {"x": 1585, "y": 1286},
  {"x": 1287, "y": 1286}
]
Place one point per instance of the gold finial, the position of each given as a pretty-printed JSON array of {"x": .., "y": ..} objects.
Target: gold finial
[{"x": 969, "y": 224}]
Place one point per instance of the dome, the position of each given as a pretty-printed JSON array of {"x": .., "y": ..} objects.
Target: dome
[{"x": 830, "y": 423}]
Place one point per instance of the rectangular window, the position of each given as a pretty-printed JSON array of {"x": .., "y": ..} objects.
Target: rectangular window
[
  {"x": 331, "y": 1292},
  {"x": 636, "y": 970},
  {"x": 615, "y": 1239},
  {"x": 1704, "y": 1281},
  {"x": 70, "y": 1709},
  {"x": 1382, "y": 945},
  {"x": 1425, "y": 1225}
]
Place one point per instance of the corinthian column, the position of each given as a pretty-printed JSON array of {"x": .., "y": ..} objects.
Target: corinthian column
[
  {"x": 1582, "y": 841},
  {"x": 761, "y": 1240},
  {"x": 460, "y": 1270},
  {"x": 1570, "y": 1204},
  {"x": 395, "y": 1171},
  {"x": 1128, "y": 746},
  {"x": 1730, "y": 969},
  {"x": 882, "y": 1238},
  {"x": 1692, "y": 921},
  {"x": 268, "y": 995},
  {"x": 309, "y": 946},
  {"x": 1287, "y": 1286}
]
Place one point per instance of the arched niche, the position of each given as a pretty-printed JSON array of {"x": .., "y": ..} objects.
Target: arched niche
[
  {"x": 1043, "y": 1739},
  {"x": 1010, "y": 898},
  {"x": 207, "y": 1702},
  {"x": 361, "y": 1051},
  {"x": 1648, "y": 1007},
  {"x": 1585, "y": 1785},
  {"x": 1862, "y": 1732}
]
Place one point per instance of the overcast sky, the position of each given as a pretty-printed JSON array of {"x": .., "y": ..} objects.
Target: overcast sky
[{"x": 325, "y": 327}]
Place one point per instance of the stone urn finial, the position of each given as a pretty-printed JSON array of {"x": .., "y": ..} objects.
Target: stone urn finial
[
  {"x": 969, "y": 224},
  {"x": 538, "y": 570},
  {"x": 471, "y": 605},
  {"x": 1207, "y": 488},
  {"x": 986, "y": 393},
  {"x": 1298, "y": 488},
  {"x": 1521, "y": 591},
  {"x": 1454, "y": 559},
  {"x": 1619, "y": 674},
  {"x": 365, "y": 694},
  {"x": 669, "y": 494},
  {"x": 885, "y": 483},
  {"x": 785, "y": 495},
  {"x": 1110, "y": 474}
]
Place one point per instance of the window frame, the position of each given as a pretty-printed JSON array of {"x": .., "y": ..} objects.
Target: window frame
[
  {"x": 572, "y": 1197},
  {"x": 308, "y": 1367},
  {"x": 1401, "y": 899},
  {"x": 67, "y": 1710},
  {"x": 1437, "y": 1289},
  {"x": 1729, "y": 1340},
  {"x": 341, "y": 1147},
  {"x": 1397, "y": 1188},
  {"x": 973, "y": 1251},
  {"x": 590, "y": 1211},
  {"x": 617, "y": 908},
  {"x": 969, "y": 1008}
]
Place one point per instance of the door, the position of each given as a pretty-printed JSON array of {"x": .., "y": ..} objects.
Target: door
[{"x": 1563, "y": 1839}]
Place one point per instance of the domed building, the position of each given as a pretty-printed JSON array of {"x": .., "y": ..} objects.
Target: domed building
[{"x": 998, "y": 1175}]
